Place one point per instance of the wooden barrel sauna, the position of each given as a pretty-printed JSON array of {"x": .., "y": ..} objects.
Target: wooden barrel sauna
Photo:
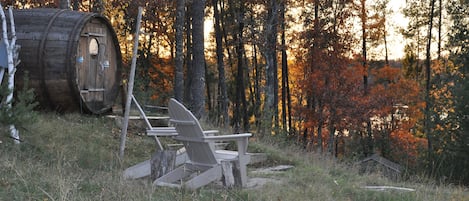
[{"x": 73, "y": 59}]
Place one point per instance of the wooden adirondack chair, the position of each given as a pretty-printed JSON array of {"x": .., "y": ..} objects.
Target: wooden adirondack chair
[
  {"x": 204, "y": 164},
  {"x": 143, "y": 169}
]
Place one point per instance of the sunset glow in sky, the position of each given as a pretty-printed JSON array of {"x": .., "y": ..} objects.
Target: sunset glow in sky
[{"x": 397, "y": 21}]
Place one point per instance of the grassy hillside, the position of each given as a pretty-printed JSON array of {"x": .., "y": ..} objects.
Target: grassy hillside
[{"x": 74, "y": 157}]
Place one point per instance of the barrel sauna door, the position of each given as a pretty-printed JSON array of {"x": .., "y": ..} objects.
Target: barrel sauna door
[{"x": 93, "y": 63}]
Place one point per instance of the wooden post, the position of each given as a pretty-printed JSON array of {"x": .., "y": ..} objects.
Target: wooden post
[
  {"x": 130, "y": 86},
  {"x": 162, "y": 162}
]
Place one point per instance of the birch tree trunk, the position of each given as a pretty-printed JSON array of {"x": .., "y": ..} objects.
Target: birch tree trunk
[{"x": 11, "y": 51}]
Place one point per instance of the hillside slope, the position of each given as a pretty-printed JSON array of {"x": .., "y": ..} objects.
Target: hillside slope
[{"x": 74, "y": 157}]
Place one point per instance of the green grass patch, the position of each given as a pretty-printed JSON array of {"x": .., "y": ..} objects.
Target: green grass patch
[{"x": 75, "y": 157}]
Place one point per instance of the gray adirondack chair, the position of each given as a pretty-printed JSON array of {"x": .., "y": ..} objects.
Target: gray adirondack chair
[{"x": 204, "y": 164}]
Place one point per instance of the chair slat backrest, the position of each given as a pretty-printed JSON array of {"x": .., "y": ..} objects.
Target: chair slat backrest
[{"x": 188, "y": 127}]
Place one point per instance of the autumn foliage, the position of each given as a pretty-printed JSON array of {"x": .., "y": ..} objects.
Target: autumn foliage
[{"x": 345, "y": 100}]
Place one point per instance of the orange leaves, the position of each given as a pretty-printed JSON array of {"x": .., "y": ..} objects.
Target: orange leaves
[
  {"x": 392, "y": 88},
  {"x": 387, "y": 73},
  {"x": 397, "y": 101},
  {"x": 406, "y": 147},
  {"x": 161, "y": 74}
]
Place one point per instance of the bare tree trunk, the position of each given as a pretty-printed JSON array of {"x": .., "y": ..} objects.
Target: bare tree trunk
[
  {"x": 320, "y": 125},
  {"x": 240, "y": 112},
  {"x": 76, "y": 5},
  {"x": 331, "y": 143},
  {"x": 417, "y": 65},
  {"x": 198, "y": 76},
  {"x": 189, "y": 61},
  {"x": 256, "y": 95},
  {"x": 386, "y": 56},
  {"x": 286, "y": 71},
  {"x": 289, "y": 106},
  {"x": 97, "y": 6},
  {"x": 241, "y": 87},
  {"x": 440, "y": 11},
  {"x": 271, "y": 66},
  {"x": 222, "y": 91},
  {"x": 179, "y": 60},
  {"x": 369, "y": 136},
  {"x": 224, "y": 31},
  {"x": 285, "y": 84},
  {"x": 364, "y": 56},
  {"x": 427, "y": 80},
  {"x": 257, "y": 90},
  {"x": 63, "y": 4},
  {"x": 208, "y": 80},
  {"x": 305, "y": 138},
  {"x": 275, "y": 16}
]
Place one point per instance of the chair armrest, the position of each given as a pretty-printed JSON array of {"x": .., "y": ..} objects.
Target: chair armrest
[
  {"x": 241, "y": 143},
  {"x": 232, "y": 137},
  {"x": 241, "y": 140}
]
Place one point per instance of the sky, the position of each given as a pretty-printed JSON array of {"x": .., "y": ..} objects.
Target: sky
[{"x": 397, "y": 21}]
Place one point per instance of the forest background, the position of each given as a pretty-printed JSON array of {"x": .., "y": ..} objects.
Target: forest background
[{"x": 315, "y": 73}]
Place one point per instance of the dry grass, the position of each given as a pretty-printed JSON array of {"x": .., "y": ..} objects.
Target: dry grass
[{"x": 74, "y": 157}]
